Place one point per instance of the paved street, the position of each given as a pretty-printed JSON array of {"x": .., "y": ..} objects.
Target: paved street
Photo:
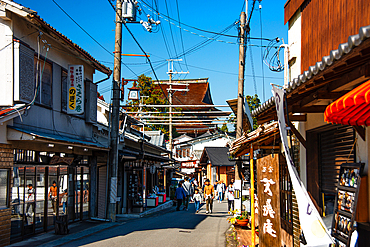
[{"x": 181, "y": 228}]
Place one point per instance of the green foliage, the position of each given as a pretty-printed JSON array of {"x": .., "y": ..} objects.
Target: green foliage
[
  {"x": 152, "y": 96},
  {"x": 224, "y": 128},
  {"x": 253, "y": 103}
]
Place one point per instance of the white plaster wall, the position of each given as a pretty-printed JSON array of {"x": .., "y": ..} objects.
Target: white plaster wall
[
  {"x": 211, "y": 143},
  {"x": 294, "y": 41},
  {"x": 6, "y": 63},
  {"x": 314, "y": 120}
]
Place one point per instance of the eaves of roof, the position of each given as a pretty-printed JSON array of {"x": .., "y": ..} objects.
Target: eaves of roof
[
  {"x": 327, "y": 61},
  {"x": 32, "y": 16},
  {"x": 37, "y": 20}
]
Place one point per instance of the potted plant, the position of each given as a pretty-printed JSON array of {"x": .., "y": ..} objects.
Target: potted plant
[{"x": 243, "y": 219}]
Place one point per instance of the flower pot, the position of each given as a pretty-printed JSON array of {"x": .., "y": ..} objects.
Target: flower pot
[{"x": 242, "y": 222}]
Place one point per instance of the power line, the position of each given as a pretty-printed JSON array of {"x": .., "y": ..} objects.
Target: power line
[
  {"x": 141, "y": 48},
  {"x": 173, "y": 40},
  {"x": 182, "y": 41},
  {"x": 70, "y": 17},
  {"x": 199, "y": 29},
  {"x": 263, "y": 70}
]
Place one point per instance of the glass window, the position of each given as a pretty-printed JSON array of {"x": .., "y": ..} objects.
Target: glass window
[
  {"x": 4, "y": 187},
  {"x": 17, "y": 202},
  {"x": 40, "y": 199},
  {"x": 43, "y": 75},
  {"x": 86, "y": 190}
]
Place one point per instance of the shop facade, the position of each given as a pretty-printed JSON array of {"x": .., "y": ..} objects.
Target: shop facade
[{"x": 43, "y": 138}]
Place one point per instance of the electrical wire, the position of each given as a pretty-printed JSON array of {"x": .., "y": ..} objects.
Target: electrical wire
[
  {"x": 182, "y": 41},
  {"x": 199, "y": 29},
  {"x": 173, "y": 40},
  {"x": 140, "y": 47},
  {"x": 70, "y": 17},
  {"x": 262, "y": 67}
]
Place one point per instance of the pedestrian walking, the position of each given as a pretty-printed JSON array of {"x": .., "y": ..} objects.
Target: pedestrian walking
[
  {"x": 230, "y": 196},
  {"x": 179, "y": 196},
  {"x": 187, "y": 188},
  {"x": 220, "y": 191},
  {"x": 30, "y": 200},
  {"x": 53, "y": 196},
  {"x": 197, "y": 198},
  {"x": 224, "y": 189},
  {"x": 209, "y": 192}
]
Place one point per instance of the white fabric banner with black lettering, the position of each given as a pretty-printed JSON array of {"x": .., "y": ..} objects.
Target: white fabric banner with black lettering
[{"x": 312, "y": 225}]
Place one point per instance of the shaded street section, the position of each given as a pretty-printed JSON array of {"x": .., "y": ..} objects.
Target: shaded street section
[{"x": 182, "y": 228}]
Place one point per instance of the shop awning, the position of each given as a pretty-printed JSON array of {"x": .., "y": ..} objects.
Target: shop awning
[
  {"x": 38, "y": 139},
  {"x": 351, "y": 109}
]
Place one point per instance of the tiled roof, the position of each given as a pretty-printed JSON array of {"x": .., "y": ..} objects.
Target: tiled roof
[
  {"x": 38, "y": 21},
  {"x": 198, "y": 94},
  {"x": 343, "y": 49}
]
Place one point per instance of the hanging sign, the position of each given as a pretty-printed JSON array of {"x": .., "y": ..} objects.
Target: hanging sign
[
  {"x": 311, "y": 222},
  {"x": 269, "y": 200},
  {"x": 76, "y": 97}
]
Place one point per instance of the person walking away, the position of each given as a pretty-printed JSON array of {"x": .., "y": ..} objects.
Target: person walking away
[
  {"x": 209, "y": 192},
  {"x": 220, "y": 191},
  {"x": 230, "y": 196},
  {"x": 64, "y": 200},
  {"x": 179, "y": 196},
  {"x": 197, "y": 198},
  {"x": 187, "y": 187},
  {"x": 30, "y": 200},
  {"x": 224, "y": 189},
  {"x": 53, "y": 196}
]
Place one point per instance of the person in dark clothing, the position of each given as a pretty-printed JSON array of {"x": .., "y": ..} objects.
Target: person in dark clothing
[{"x": 180, "y": 195}]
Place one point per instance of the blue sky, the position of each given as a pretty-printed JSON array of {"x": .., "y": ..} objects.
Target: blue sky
[{"x": 217, "y": 61}]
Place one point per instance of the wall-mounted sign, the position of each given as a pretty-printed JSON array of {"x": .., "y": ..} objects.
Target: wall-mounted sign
[{"x": 76, "y": 97}]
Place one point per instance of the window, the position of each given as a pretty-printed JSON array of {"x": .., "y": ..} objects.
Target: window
[
  {"x": 64, "y": 90},
  {"x": 4, "y": 187},
  {"x": 286, "y": 197},
  {"x": 44, "y": 77}
]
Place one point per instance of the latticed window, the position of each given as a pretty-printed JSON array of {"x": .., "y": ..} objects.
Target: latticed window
[{"x": 286, "y": 209}]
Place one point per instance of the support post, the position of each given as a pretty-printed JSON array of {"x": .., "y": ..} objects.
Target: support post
[
  {"x": 115, "y": 115},
  {"x": 170, "y": 110},
  {"x": 251, "y": 162}
]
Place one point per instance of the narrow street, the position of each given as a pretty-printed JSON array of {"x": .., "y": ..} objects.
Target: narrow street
[{"x": 182, "y": 228}]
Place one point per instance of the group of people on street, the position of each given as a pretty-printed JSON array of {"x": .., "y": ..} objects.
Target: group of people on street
[{"x": 189, "y": 190}]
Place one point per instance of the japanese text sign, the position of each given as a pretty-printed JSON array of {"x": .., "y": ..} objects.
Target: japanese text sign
[
  {"x": 268, "y": 200},
  {"x": 76, "y": 97}
]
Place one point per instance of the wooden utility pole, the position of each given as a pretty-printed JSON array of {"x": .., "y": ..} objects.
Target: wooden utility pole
[
  {"x": 170, "y": 110},
  {"x": 113, "y": 159},
  {"x": 240, "y": 109},
  {"x": 170, "y": 94}
]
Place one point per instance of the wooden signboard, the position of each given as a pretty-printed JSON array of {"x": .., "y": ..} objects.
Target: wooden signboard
[
  {"x": 268, "y": 200},
  {"x": 346, "y": 202}
]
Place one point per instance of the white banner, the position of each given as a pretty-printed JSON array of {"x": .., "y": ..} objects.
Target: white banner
[
  {"x": 312, "y": 225},
  {"x": 76, "y": 97}
]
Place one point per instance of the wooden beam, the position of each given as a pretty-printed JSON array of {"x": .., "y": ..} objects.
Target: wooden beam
[
  {"x": 361, "y": 131},
  {"x": 357, "y": 75},
  {"x": 267, "y": 147},
  {"x": 297, "y": 134},
  {"x": 298, "y": 118},
  {"x": 310, "y": 109}
]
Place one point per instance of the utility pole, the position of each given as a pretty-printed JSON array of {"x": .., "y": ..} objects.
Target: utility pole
[
  {"x": 170, "y": 110},
  {"x": 170, "y": 93},
  {"x": 113, "y": 164},
  {"x": 239, "y": 119}
]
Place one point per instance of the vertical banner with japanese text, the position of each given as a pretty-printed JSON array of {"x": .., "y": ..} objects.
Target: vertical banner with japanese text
[
  {"x": 76, "y": 97},
  {"x": 268, "y": 200},
  {"x": 312, "y": 225}
]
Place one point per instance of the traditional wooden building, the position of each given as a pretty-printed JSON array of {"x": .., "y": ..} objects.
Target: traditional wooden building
[
  {"x": 49, "y": 151},
  {"x": 328, "y": 57}
]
